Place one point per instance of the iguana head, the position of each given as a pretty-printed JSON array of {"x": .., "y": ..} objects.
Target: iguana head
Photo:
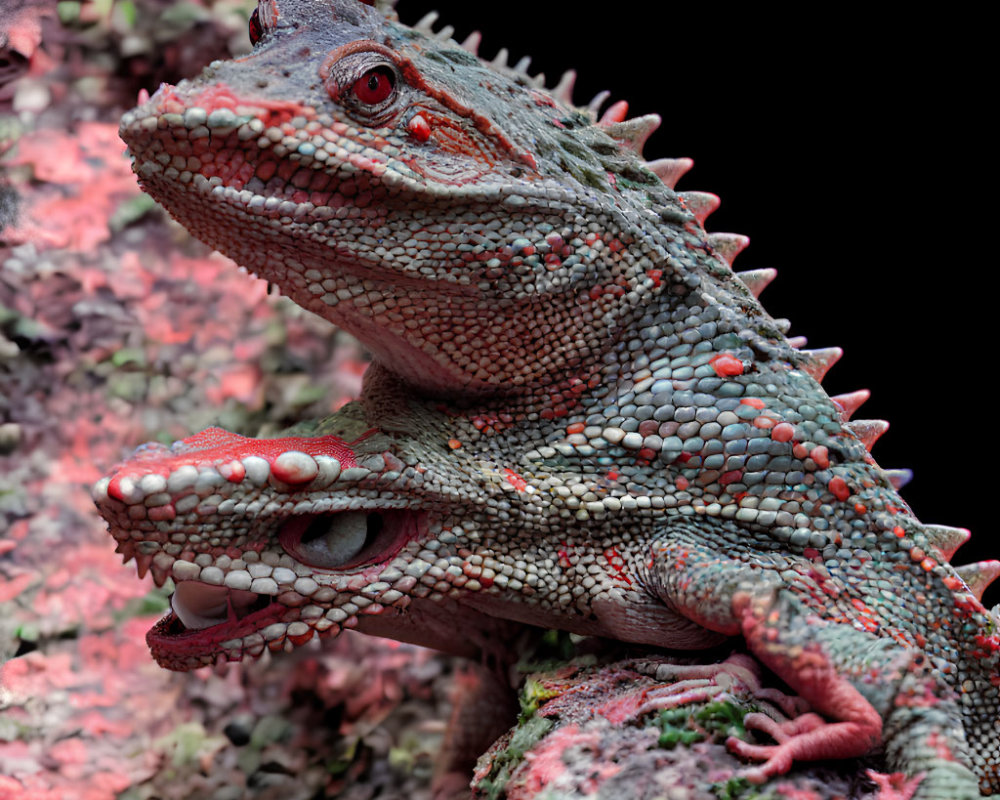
[{"x": 438, "y": 208}]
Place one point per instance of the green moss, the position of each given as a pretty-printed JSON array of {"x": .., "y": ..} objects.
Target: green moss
[
  {"x": 154, "y": 602},
  {"x": 675, "y": 728},
  {"x": 738, "y": 789},
  {"x": 131, "y": 210},
  {"x": 718, "y": 720},
  {"x": 723, "y": 719},
  {"x": 526, "y": 736}
]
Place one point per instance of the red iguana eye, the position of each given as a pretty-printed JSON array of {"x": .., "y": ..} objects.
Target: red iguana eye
[
  {"x": 256, "y": 31},
  {"x": 375, "y": 86}
]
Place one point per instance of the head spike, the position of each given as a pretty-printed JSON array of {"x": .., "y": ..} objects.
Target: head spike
[
  {"x": 978, "y": 576},
  {"x": 947, "y": 539},
  {"x": 616, "y": 113},
  {"x": 868, "y": 430},
  {"x": 594, "y": 107},
  {"x": 898, "y": 477},
  {"x": 426, "y": 23},
  {"x": 523, "y": 65},
  {"x": 563, "y": 91},
  {"x": 756, "y": 280},
  {"x": 798, "y": 342},
  {"x": 701, "y": 204},
  {"x": 670, "y": 170},
  {"x": 500, "y": 59},
  {"x": 849, "y": 403},
  {"x": 445, "y": 33},
  {"x": 633, "y": 133},
  {"x": 472, "y": 42},
  {"x": 816, "y": 363},
  {"x": 728, "y": 245}
]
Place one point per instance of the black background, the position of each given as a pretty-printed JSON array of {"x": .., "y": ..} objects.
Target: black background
[{"x": 852, "y": 149}]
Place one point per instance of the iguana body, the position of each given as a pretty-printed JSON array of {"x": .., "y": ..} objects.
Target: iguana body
[{"x": 578, "y": 415}]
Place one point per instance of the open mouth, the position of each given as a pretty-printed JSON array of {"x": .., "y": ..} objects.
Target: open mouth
[
  {"x": 205, "y": 620},
  {"x": 198, "y": 606},
  {"x": 208, "y": 621}
]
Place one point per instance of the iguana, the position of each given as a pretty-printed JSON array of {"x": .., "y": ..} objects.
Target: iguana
[{"x": 577, "y": 416}]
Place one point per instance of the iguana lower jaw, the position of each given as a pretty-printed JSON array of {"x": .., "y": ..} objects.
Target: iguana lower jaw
[{"x": 187, "y": 638}]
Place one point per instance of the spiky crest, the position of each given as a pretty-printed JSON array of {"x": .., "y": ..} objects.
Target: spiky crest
[{"x": 868, "y": 430}]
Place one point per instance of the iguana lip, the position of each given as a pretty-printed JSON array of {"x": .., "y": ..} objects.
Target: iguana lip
[{"x": 195, "y": 627}]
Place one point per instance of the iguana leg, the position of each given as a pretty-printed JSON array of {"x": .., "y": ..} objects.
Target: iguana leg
[
  {"x": 872, "y": 690},
  {"x": 795, "y": 618},
  {"x": 802, "y": 663}
]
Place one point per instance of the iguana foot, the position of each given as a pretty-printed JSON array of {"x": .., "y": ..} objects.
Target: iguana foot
[
  {"x": 739, "y": 673},
  {"x": 802, "y": 738}
]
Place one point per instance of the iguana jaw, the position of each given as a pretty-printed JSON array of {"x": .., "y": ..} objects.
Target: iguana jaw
[{"x": 240, "y": 632}]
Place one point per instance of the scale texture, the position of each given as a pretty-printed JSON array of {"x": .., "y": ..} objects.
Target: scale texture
[{"x": 578, "y": 416}]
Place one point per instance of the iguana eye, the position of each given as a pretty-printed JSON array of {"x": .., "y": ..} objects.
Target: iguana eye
[
  {"x": 364, "y": 79},
  {"x": 348, "y": 539},
  {"x": 375, "y": 86},
  {"x": 256, "y": 29},
  {"x": 329, "y": 540}
]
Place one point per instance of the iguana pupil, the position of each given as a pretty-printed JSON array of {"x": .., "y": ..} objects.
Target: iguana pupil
[{"x": 374, "y": 86}]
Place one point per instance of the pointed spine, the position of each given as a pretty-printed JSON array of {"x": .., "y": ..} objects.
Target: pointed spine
[
  {"x": 126, "y": 550},
  {"x": 617, "y": 112},
  {"x": 563, "y": 91},
  {"x": 426, "y": 23},
  {"x": 701, "y": 204},
  {"x": 728, "y": 245},
  {"x": 472, "y": 42},
  {"x": 947, "y": 539},
  {"x": 816, "y": 363},
  {"x": 979, "y": 576},
  {"x": 757, "y": 280},
  {"x": 633, "y": 133},
  {"x": 594, "y": 106},
  {"x": 160, "y": 574},
  {"x": 798, "y": 342},
  {"x": 670, "y": 170},
  {"x": 868, "y": 431},
  {"x": 849, "y": 403},
  {"x": 898, "y": 477}
]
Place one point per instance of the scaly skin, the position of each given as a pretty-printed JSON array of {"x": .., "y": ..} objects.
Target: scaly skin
[{"x": 578, "y": 415}]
